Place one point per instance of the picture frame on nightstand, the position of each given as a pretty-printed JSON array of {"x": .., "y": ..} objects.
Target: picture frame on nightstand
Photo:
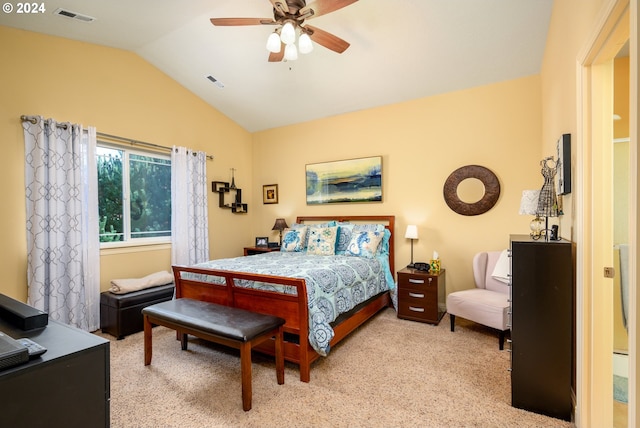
[{"x": 262, "y": 242}]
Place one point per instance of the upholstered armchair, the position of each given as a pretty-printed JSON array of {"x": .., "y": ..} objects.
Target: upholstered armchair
[{"x": 488, "y": 302}]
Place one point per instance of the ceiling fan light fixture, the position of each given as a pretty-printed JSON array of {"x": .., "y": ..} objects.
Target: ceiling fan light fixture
[
  {"x": 288, "y": 33},
  {"x": 273, "y": 43},
  {"x": 290, "y": 52},
  {"x": 304, "y": 43}
]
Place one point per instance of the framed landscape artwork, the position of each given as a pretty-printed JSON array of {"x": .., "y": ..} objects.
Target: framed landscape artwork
[{"x": 351, "y": 180}]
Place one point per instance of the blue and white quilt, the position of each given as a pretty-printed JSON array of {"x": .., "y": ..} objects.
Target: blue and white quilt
[{"x": 335, "y": 284}]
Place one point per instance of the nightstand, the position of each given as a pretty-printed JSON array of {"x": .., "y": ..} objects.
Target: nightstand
[
  {"x": 250, "y": 251},
  {"x": 421, "y": 295}
]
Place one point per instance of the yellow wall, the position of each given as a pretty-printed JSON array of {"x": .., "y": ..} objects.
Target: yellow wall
[
  {"x": 120, "y": 94},
  {"x": 421, "y": 143}
]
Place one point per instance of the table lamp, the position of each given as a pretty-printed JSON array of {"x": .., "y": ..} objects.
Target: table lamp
[
  {"x": 529, "y": 206},
  {"x": 411, "y": 233},
  {"x": 280, "y": 225}
]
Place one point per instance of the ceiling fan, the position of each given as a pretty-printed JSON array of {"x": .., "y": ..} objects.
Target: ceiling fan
[{"x": 290, "y": 15}]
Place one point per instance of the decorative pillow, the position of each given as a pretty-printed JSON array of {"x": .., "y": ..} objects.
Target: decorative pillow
[
  {"x": 345, "y": 230},
  {"x": 383, "y": 248},
  {"x": 294, "y": 240},
  {"x": 364, "y": 244},
  {"x": 501, "y": 269},
  {"x": 300, "y": 225},
  {"x": 322, "y": 240}
]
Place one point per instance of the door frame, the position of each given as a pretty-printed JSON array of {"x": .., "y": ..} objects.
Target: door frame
[{"x": 618, "y": 22}]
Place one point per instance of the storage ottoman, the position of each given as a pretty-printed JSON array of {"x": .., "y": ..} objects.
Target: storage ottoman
[{"x": 121, "y": 314}]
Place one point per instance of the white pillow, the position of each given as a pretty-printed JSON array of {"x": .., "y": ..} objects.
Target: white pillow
[{"x": 501, "y": 269}]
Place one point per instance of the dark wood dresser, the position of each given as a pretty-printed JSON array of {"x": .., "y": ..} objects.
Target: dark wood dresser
[
  {"x": 67, "y": 386},
  {"x": 542, "y": 311}
]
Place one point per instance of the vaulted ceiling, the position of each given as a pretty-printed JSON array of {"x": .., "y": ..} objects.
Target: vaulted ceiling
[{"x": 399, "y": 50}]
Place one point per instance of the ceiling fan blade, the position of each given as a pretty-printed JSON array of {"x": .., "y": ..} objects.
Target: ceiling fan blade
[
  {"x": 280, "y": 6},
  {"x": 327, "y": 40},
  {"x": 226, "y": 22},
  {"x": 277, "y": 57},
  {"x": 322, "y": 7}
]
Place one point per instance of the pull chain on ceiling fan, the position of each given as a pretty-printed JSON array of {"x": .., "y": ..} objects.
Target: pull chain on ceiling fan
[{"x": 290, "y": 16}]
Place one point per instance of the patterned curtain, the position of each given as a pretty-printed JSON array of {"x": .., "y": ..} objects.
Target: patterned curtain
[
  {"x": 63, "y": 261},
  {"x": 189, "y": 218}
]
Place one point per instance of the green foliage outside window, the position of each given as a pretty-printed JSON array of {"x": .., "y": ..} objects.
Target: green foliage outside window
[{"x": 149, "y": 181}]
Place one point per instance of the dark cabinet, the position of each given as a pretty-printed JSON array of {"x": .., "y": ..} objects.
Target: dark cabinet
[
  {"x": 542, "y": 328},
  {"x": 68, "y": 386}
]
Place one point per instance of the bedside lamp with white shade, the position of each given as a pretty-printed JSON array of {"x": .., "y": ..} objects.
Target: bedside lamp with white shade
[{"x": 411, "y": 233}]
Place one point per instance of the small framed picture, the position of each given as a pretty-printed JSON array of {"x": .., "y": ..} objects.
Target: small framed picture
[
  {"x": 270, "y": 194},
  {"x": 262, "y": 241}
]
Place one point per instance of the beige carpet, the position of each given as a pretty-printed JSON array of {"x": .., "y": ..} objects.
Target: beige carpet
[{"x": 389, "y": 373}]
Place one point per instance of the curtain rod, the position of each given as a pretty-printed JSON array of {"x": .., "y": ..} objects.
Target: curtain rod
[{"x": 113, "y": 137}]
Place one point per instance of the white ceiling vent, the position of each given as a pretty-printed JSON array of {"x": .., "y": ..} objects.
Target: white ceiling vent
[
  {"x": 216, "y": 82},
  {"x": 73, "y": 15}
]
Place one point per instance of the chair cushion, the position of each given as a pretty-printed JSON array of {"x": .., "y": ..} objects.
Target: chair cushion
[{"x": 482, "y": 306}]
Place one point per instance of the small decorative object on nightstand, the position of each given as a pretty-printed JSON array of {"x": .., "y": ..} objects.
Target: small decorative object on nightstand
[
  {"x": 421, "y": 295},
  {"x": 435, "y": 262},
  {"x": 411, "y": 233}
]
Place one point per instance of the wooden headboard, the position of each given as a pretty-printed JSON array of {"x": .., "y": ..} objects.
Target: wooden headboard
[{"x": 388, "y": 221}]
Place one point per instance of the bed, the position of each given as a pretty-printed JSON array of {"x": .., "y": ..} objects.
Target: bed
[{"x": 281, "y": 284}]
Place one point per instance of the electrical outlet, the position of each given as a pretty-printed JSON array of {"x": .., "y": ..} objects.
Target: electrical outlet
[{"x": 609, "y": 272}]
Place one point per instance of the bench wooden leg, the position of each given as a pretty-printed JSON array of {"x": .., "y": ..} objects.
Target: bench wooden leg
[
  {"x": 147, "y": 340},
  {"x": 280, "y": 355},
  {"x": 184, "y": 341},
  {"x": 245, "y": 372}
]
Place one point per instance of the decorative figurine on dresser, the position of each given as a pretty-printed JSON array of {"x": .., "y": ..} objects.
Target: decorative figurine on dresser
[{"x": 542, "y": 325}]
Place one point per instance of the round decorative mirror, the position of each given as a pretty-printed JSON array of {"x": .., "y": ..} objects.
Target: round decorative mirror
[{"x": 468, "y": 184}]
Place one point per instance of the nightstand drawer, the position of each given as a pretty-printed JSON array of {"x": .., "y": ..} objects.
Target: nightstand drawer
[
  {"x": 416, "y": 304},
  {"x": 415, "y": 282}
]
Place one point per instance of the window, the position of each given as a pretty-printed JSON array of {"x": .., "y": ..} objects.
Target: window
[{"x": 134, "y": 195}]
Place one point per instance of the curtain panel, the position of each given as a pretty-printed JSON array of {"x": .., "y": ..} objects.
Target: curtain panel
[
  {"x": 63, "y": 261},
  {"x": 189, "y": 217}
]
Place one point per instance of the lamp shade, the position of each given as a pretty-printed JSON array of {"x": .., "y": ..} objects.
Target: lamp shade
[
  {"x": 288, "y": 33},
  {"x": 273, "y": 43},
  {"x": 280, "y": 224},
  {"x": 304, "y": 44},
  {"x": 529, "y": 202},
  {"x": 412, "y": 232},
  {"x": 290, "y": 52}
]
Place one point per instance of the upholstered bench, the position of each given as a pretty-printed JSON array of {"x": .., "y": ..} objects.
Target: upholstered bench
[
  {"x": 121, "y": 314},
  {"x": 229, "y": 326}
]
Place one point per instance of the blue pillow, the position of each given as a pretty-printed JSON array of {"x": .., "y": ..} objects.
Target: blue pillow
[{"x": 345, "y": 230}]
